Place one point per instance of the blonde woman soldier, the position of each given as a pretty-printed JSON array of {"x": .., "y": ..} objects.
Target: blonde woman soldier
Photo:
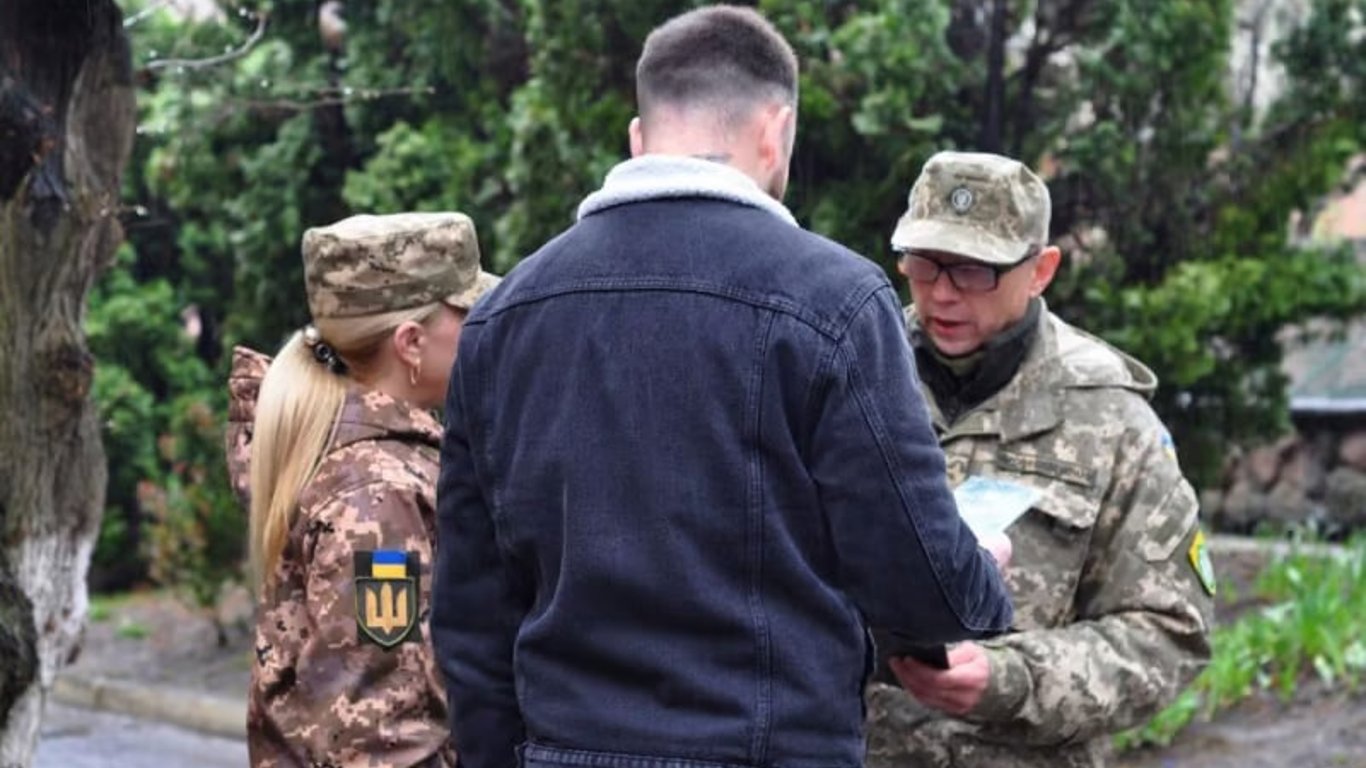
[{"x": 341, "y": 456}]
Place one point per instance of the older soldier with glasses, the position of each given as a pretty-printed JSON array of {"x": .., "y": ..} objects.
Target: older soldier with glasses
[{"x": 1110, "y": 577}]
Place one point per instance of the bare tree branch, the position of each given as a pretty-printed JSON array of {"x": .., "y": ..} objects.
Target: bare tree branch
[
  {"x": 346, "y": 96},
  {"x": 213, "y": 61},
  {"x": 329, "y": 97},
  {"x": 137, "y": 18}
]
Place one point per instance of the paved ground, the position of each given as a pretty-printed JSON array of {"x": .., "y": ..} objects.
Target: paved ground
[{"x": 82, "y": 738}]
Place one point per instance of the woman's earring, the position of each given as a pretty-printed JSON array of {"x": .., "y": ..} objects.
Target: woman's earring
[{"x": 414, "y": 373}]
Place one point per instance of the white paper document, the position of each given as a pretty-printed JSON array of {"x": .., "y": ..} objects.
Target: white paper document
[{"x": 989, "y": 505}]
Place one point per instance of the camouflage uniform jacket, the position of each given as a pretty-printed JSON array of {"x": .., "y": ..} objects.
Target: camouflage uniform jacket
[
  {"x": 1111, "y": 614},
  {"x": 320, "y": 694},
  {"x": 244, "y": 385}
]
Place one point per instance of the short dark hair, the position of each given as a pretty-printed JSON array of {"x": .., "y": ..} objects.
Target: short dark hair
[{"x": 724, "y": 57}]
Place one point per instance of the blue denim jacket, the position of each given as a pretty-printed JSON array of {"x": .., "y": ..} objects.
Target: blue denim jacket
[{"x": 685, "y": 468}]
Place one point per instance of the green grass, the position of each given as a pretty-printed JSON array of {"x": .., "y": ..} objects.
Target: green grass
[
  {"x": 1313, "y": 627},
  {"x": 107, "y": 607},
  {"x": 132, "y": 630},
  {"x": 103, "y": 606}
]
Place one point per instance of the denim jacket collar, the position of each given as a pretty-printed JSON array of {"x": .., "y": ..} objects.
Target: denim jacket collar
[{"x": 654, "y": 177}]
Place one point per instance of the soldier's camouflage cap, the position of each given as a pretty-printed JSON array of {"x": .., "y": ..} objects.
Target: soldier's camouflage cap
[
  {"x": 367, "y": 265},
  {"x": 982, "y": 206}
]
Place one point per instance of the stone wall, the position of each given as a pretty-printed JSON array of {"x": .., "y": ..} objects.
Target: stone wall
[{"x": 1315, "y": 478}]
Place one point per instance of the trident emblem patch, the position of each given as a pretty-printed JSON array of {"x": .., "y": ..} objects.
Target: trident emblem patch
[{"x": 386, "y": 596}]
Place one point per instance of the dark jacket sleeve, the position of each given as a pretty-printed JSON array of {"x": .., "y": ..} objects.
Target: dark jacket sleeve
[
  {"x": 476, "y": 608},
  {"x": 903, "y": 553}
]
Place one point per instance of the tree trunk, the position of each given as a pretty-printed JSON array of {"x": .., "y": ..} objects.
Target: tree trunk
[
  {"x": 66, "y": 128},
  {"x": 994, "y": 104}
]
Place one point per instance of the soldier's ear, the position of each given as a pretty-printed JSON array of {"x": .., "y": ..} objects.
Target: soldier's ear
[
  {"x": 1045, "y": 267},
  {"x": 407, "y": 341},
  {"x": 902, "y": 265}
]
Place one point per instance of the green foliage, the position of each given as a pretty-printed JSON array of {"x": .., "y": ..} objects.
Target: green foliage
[
  {"x": 1195, "y": 274},
  {"x": 134, "y": 331},
  {"x": 99, "y": 611},
  {"x": 1209, "y": 328},
  {"x": 132, "y": 630},
  {"x": 1171, "y": 199},
  {"x": 411, "y": 168},
  {"x": 126, "y": 408},
  {"x": 168, "y": 497},
  {"x": 568, "y": 119},
  {"x": 1313, "y": 625},
  {"x": 879, "y": 91},
  {"x": 196, "y": 543},
  {"x": 434, "y": 166}
]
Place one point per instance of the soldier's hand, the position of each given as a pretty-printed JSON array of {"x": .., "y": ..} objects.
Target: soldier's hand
[
  {"x": 998, "y": 544},
  {"x": 955, "y": 690}
]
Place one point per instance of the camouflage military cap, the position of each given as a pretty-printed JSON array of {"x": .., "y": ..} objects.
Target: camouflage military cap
[
  {"x": 985, "y": 207},
  {"x": 367, "y": 265}
]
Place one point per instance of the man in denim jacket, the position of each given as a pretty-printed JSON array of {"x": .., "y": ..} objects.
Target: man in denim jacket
[{"x": 675, "y": 491}]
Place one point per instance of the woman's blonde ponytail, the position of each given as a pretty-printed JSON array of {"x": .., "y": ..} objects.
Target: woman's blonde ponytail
[{"x": 296, "y": 413}]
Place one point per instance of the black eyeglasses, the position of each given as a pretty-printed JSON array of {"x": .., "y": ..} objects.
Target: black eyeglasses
[{"x": 967, "y": 276}]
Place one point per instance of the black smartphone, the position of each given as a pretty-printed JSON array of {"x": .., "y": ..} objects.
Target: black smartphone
[{"x": 936, "y": 656}]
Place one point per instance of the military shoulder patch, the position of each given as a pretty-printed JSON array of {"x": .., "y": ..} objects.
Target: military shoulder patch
[
  {"x": 386, "y": 583},
  {"x": 1168, "y": 444},
  {"x": 1199, "y": 558}
]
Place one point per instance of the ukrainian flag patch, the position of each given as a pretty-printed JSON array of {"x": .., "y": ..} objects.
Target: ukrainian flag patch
[
  {"x": 1168, "y": 444},
  {"x": 386, "y": 596}
]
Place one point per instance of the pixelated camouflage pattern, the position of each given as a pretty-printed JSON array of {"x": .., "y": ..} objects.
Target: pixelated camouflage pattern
[
  {"x": 320, "y": 697},
  {"x": 986, "y": 207},
  {"x": 244, "y": 384},
  {"x": 1111, "y": 620},
  {"x": 465, "y": 299},
  {"x": 367, "y": 265}
]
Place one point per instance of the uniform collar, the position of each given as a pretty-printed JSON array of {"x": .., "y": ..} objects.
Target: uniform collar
[
  {"x": 1029, "y": 404},
  {"x": 1032, "y": 403},
  {"x": 963, "y": 383},
  {"x": 374, "y": 415}
]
